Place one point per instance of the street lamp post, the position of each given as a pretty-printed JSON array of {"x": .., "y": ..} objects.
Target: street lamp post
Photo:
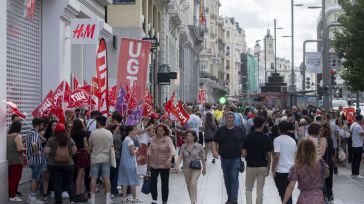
[
  {"x": 292, "y": 86},
  {"x": 275, "y": 45}
]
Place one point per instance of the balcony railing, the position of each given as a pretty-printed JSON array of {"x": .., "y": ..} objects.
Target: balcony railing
[{"x": 204, "y": 74}]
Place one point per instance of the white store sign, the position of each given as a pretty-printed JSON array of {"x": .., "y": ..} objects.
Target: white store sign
[
  {"x": 84, "y": 31},
  {"x": 313, "y": 62}
]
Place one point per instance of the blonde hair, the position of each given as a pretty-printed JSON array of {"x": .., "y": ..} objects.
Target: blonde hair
[{"x": 306, "y": 154}]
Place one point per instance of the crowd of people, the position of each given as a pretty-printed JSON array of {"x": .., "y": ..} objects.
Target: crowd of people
[{"x": 91, "y": 153}]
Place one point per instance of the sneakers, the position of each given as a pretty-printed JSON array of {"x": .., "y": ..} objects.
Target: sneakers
[
  {"x": 359, "y": 177},
  {"x": 15, "y": 199},
  {"x": 137, "y": 200},
  {"x": 34, "y": 200},
  {"x": 65, "y": 195},
  {"x": 45, "y": 197}
]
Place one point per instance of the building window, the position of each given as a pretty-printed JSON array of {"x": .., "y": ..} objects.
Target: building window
[
  {"x": 227, "y": 34},
  {"x": 227, "y": 64},
  {"x": 227, "y": 51}
]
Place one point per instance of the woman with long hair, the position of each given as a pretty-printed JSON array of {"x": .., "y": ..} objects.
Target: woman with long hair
[
  {"x": 328, "y": 156},
  {"x": 192, "y": 152},
  {"x": 128, "y": 170},
  {"x": 210, "y": 129},
  {"x": 82, "y": 160},
  {"x": 59, "y": 150},
  {"x": 15, "y": 150},
  {"x": 161, "y": 151},
  {"x": 309, "y": 171}
]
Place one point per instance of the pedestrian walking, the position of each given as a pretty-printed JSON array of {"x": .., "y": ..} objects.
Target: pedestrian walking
[
  {"x": 257, "y": 149},
  {"x": 193, "y": 157},
  {"x": 36, "y": 158},
  {"x": 128, "y": 167},
  {"x": 100, "y": 142},
  {"x": 357, "y": 135},
  {"x": 230, "y": 139},
  {"x": 210, "y": 129},
  {"x": 161, "y": 151},
  {"x": 328, "y": 157},
  {"x": 309, "y": 171},
  {"x": 15, "y": 151},
  {"x": 283, "y": 158}
]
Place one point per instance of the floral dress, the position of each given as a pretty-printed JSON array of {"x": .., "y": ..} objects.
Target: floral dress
[{"x": 310, "y": 183}]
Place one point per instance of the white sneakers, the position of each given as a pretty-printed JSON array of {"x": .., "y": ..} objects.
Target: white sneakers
[
  {"x": 16, "y": 199},
  {"x": 65, "y": 195},
  {"x": 109, "y": 201},
  {"x": 92, "y": 201}
]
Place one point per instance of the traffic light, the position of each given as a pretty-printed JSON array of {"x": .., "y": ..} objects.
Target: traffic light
[
  {"x": 333, "y": 76},
  {"x": 222, "y": 100},
  {"x": 308, "y": 83}
]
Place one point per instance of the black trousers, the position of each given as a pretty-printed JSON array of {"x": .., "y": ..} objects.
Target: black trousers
[
  {"x": 165, "y": 183},
  {"x": 282, "y": 182},
  {"x": 62, "y": 175},
  {"x": 355, "y": 163},
  {"x": 329, "y": 184}
]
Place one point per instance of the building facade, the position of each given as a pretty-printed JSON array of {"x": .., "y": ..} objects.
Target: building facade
[
  {"x": 235, "y": 45},
  {"x": 175, "y": 24},
  {"x": 212, "y": 54},
  {"x": 39, "y": 55}
]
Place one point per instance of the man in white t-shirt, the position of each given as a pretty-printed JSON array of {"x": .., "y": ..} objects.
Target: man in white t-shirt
[
  {"x": 284, "y": 153},
  {"x": 357, "y": 135}
]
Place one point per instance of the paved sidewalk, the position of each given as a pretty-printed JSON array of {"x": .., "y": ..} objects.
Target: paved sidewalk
[{"x": 211, "y": 189}]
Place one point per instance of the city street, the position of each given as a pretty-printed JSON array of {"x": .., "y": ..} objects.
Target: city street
[{"x": 212, "y": 190}]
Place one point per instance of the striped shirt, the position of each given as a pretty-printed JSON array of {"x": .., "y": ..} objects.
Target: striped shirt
[{"x": 35, "y": 158}]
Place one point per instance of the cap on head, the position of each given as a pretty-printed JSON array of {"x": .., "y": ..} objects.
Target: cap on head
[{"x": 60, "y": 127}]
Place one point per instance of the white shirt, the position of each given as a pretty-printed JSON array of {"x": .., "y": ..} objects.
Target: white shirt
[
  {"x": 356, "y": 136},
  {"x": 194, "y": 123},
  {"x": 91, "y": 125},
  {"x": 286, "y": 146}
]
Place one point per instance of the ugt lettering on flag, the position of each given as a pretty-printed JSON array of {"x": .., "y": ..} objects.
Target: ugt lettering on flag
[{"x": 133, "y": 66}]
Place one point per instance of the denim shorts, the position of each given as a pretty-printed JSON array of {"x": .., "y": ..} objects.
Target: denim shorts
[
  {"x": 37, "y": 171},
  {"x": 100, "y": 169}
]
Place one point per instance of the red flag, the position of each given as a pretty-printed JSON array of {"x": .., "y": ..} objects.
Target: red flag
[
  {"x": 112, "y": 96},
  {"x": 133, "y": 66},
  {"x": 95, "y": 86},
  {"x": 84, "y": 83},
  {"x": 44, "y": 109},
  {"x": 148, "y": 105},
  {"x": 102, "y": 75},
  {"x": 182, "y": 116},
  {"x": 80, "y": 97},
  {"x": 169, "y": 105},
  {"x": 131, "y": 98},
  {"x": 14, "y": 109},
  {"x": 74, "y": 82},
  {"x": 202, "y": 96}
]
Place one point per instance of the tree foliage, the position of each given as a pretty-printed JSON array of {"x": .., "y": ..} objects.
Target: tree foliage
[{"x": 349, "y": 43}]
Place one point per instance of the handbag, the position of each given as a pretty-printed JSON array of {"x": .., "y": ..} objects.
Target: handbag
[
  {"x": 146, "y": 188},
  {"x": 242, "y": 166},
  {"x": 195, "y": 164},
  {"x": 112, "y": 157}
]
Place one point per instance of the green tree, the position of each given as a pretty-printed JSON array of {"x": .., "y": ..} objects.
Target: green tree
[{"x": 349, "y": 43}]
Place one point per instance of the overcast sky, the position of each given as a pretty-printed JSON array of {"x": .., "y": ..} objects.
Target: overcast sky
[{"x": 256, "y": 16}]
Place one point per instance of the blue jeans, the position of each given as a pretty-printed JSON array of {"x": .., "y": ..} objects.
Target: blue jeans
[{"x": 230, "y": 168}]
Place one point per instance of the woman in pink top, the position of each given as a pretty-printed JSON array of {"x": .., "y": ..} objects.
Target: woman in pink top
[
  {"x": 309, "y": 171},
  {"x": 160, "y": 154}
]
